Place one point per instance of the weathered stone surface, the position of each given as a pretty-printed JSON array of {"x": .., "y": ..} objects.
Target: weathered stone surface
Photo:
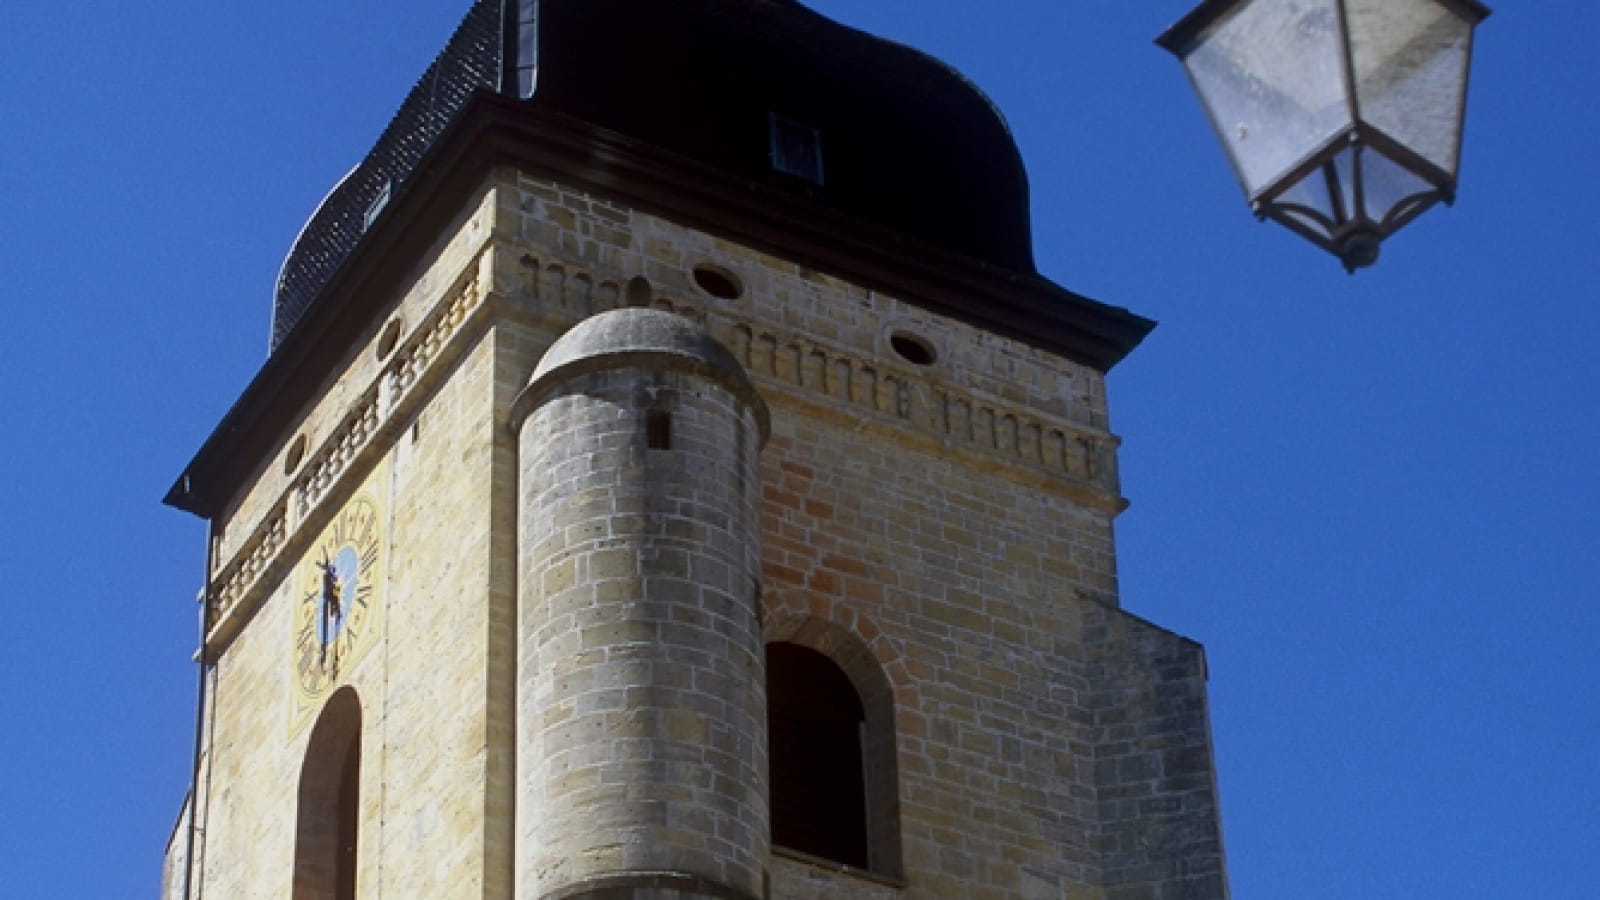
[{"x": 656, "y": 761}]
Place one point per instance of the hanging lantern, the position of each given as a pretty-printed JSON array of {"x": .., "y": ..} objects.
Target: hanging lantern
[{"x": 1342, "y": 118}]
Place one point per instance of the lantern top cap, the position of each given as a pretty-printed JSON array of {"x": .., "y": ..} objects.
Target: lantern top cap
[{"x": 1181, "y": 35}]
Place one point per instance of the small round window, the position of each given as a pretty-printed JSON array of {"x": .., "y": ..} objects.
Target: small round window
[
  {"x": 296, "y": 454},
  {"x": 717, "y": 282},
  {"x": 913, "y": 349},
  {"x": 389, "y": 338}
]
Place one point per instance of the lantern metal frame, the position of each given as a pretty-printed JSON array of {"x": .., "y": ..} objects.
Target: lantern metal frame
[{"x": 1352, "y": 234}]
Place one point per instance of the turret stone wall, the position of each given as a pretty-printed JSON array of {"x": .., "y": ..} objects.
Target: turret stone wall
[{"x": 641, "y": 713}]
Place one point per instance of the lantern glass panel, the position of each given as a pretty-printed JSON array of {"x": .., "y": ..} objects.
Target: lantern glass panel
[
  {"x": 1271, "y": 75},
  {"x": 1310, "y": 202},
  {"x": 1410, "y": 63},
  {"x": 1386, "y": 184},
  {"x": 1325, "y": 195}
]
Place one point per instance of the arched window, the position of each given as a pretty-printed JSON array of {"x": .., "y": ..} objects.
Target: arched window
[
  {"x": 831, "y": 759},
  {"x": 328, "y": 803}
]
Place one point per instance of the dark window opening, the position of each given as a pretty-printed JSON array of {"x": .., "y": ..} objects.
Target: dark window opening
[
  {"x": 796, "y": 148},
  {"x": 388, "y": 339},
  {"x": 639, "y": 291},
  {"x": 346, "y": 827},
  {"x": 658, "y": 429},
  {"x": 377, "y": 206},
  {"x": 717, "y": 283},
  {"x": 328, "y": 801},
  {"x": 912, "y": 349},
  {"x": 527, "y": 47},
  {"x": 815, "y": 737},
  {"x": 296, "y": 455}
]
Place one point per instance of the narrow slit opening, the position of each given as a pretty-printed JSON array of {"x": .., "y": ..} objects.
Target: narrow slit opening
[{"x": 658, "y": 429}]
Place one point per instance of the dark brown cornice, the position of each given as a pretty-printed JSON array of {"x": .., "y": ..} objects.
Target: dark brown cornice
[{"x": 493, "y": 130}]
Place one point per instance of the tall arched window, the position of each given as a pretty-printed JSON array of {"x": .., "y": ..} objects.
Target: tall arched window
[
  {"x": 328, "y": 803},
  {"x": 831, "y": 759}
]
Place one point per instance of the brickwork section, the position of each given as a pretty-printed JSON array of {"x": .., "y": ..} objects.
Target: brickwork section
[
  {"x": 1158, "y": 795},
  {"x": 974, "y": 619},
  {"x": 641, "y": 711}
]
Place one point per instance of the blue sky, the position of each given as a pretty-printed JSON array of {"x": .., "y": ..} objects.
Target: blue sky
[{"x": 1372, "y": 497}]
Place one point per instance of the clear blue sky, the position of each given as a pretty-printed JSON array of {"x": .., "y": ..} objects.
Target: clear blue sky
[{"x": 1373, "y": 498}]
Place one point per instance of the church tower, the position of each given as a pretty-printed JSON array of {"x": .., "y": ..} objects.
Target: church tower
[{"x": 671, "y": 479}]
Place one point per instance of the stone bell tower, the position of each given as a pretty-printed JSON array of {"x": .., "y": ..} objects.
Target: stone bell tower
[{"x": 672, "y": 479}]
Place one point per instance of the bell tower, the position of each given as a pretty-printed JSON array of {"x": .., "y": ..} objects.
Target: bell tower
[{"x": 671, "y": 478}]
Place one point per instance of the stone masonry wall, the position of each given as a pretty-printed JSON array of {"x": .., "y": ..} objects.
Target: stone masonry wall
[
  {"x": 954, "y": 518},
  {"x": 964, "y": 590},
  {"x": 641, "y": 738},
  {"x": 425, "y": 755},
  {"x": 948, "y": 526},
  {"x": 951, "y": 517},
  {"x": 420, "y": 409},
  {"x": 1158, "y": 794}
]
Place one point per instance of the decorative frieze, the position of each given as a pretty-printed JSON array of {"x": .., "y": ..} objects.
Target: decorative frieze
[
  {"x": 939, "y": 410},
  {"x": 565, "y": 290},
  {"x": 422, "y": 351},
  {"x": 393, "y": 394},
  {"x": 928, "y": 405},
  {"x": 253, "y": 559},
  {"x": 336, "y": 455}
]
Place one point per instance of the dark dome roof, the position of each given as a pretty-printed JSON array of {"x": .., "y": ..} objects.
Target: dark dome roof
[
  {"x": 905, "y": 141},
  {"x": 907, "y": 146}
]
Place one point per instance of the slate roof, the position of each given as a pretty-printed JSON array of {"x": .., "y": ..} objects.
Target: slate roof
[{"x": 470, "y": 62}]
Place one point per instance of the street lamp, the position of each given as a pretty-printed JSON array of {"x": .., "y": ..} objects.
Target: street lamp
[{"x": 1342, "y": 118}]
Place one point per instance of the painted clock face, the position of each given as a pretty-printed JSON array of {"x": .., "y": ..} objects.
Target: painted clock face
[{"x": 337, "y": 585}]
